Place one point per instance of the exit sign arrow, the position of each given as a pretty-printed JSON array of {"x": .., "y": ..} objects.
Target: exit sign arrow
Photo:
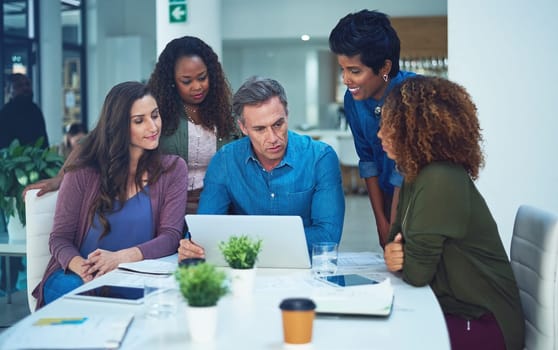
[{"x": 177, "y": 13}]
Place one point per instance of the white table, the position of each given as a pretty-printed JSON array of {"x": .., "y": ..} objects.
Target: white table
[
  {"x": 416, "y": 320},
  {"x": 10, "y": 248}
]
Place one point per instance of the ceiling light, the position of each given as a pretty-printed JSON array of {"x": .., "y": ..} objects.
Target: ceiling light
[{"x": 305, "y": 37}]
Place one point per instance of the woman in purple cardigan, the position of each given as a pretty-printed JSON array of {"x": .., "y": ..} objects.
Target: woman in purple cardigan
[{"x": 121, "y": 201}]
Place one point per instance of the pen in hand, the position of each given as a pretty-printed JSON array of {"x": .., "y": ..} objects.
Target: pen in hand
[
  {"x": 188, "y": 248},
  {"x": 191, "y": 260},
  {"x": 188, "y": 236}
]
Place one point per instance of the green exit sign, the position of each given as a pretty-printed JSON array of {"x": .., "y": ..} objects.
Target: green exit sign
[{"x": 178, "y": 11}]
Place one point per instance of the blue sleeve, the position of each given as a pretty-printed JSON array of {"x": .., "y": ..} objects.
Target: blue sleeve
[
  {"x": 367, "y": 166},
  {"x": 328, "y": 202},
  {"x": 214, "y": 198},
  {"x": 396, "y": 179}
]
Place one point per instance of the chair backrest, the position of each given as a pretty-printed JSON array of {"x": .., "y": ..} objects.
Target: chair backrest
[
  {"x": 534, "y": 259},
  {"x": 39, "y": 213}
]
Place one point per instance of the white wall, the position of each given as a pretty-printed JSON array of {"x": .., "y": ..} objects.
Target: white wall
[
  {"x": 505, "y": 55},
  {"x": 51, "y": 72},
  {"x": 121, "y": 45},
  {"x": 203, "y": 21},
  {"x": 272, "y": 19},
  {"x": 284, "y": 62}
]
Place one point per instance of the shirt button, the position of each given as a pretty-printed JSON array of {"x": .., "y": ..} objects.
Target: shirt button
[{"x": 273, "y": 195}]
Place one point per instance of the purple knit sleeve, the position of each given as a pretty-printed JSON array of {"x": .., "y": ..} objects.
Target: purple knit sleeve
[{"x": 168, "y": 202}]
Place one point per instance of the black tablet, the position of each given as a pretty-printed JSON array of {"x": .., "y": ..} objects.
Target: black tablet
[
  {"x": 122, "y": 294},
  {"x": 348, "y": 280}
]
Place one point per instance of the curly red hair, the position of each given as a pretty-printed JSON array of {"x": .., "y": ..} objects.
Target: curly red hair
[{"x": 430, "y": 119}]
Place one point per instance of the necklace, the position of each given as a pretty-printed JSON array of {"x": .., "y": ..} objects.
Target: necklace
[
  {"x": 190, "y": 109},
  {"x": 189, "y": 112},
  {"x": 190, "y": 119}
]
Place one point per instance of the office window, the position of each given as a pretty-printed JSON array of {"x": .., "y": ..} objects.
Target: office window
[
  {"x": 71, "y": 22},
  {"x": 16, "y": 17},
  {"x": 18, "y": 41},
  {"x": 73, "y": 72}
]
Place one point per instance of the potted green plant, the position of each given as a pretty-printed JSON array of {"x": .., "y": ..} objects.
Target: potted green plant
[
  {"x": 21, "y": 165},
  {"x": 201, "y": 285},
  {"x": 241, "y": 254}
]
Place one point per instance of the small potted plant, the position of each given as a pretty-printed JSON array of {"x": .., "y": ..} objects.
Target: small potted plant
[
  {"x": 201, "y": 285},
  {"x": 241, "y": 254},
  {"x": 21, "y": 165}
]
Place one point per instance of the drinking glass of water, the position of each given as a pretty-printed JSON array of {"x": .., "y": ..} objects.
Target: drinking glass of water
[
  {"x": 161, "y": 297},
  {"x": 324, "y": 258}
]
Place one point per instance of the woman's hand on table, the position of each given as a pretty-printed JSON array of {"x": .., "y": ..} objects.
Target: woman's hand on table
[
  {"x": 394, "y": 255},
  {"x": 81, "y": 267},
  {"x": 188, "y": 249},
  {"x": 103, "y": 261}
]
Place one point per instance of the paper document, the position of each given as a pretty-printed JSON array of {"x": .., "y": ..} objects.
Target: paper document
[
  {"x": 82, "y": 332},
  {"x": 357, "y": 259},
  {"x": 150, "y": 266}
]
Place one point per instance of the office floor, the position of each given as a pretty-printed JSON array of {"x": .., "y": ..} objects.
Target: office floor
[{"x": 359, "y": 234}]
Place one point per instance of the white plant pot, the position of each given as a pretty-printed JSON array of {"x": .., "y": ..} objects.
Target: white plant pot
[
  {"x": 202, "y": 323},
  {"x": 242, "y": 281},
  {"x": 16, "y": 230}
]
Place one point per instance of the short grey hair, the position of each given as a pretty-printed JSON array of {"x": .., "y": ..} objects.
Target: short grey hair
[{"x": 256, "y": 90}]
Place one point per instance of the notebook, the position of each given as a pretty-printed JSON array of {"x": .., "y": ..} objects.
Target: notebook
[
  {"x": 283, "y": 239},
  {"x": 363, "y": 300}
]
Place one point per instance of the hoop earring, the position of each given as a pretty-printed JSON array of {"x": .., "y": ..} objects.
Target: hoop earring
[{"x": 385, "y": 77}]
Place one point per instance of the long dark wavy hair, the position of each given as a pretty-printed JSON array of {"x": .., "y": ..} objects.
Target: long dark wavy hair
[
  {"x": 215, "y": 110},
  {"x": 430, "y": 119},
  {"x": 107, "y": 150}
]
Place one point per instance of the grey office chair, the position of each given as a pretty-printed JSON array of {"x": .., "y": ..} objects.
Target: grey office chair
[
  {"x": 534, "y": 260},
  {"x": 39, "y": 212}
]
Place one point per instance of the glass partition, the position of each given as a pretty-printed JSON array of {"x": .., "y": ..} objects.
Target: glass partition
[
  {"x": 16, "y": 19},
  {"x": 18, "y": 42},
  {"x": 73, "y": 72}
]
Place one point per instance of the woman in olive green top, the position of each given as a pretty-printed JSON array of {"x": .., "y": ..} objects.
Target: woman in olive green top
[
  {"x": 444, "y": 234},
  {"x": 194, "y": 99}
]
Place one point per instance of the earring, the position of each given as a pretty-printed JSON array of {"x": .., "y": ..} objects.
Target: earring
[{"x": 385, "y": 76}]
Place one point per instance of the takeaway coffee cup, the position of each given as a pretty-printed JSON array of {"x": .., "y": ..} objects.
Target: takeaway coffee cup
[{"x": 298, "y": 319}]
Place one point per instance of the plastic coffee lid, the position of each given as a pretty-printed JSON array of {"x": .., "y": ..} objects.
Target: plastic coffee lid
[{"x": 292, "y": 304}]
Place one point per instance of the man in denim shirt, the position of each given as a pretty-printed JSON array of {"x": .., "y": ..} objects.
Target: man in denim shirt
[{"x": 273, "y": 171}]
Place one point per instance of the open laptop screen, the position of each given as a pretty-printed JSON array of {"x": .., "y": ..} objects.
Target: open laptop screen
[{"x": 283, "y": 239}]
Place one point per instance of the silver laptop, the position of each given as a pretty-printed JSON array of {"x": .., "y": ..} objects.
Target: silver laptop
[{"x": 283, "y": 238}]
